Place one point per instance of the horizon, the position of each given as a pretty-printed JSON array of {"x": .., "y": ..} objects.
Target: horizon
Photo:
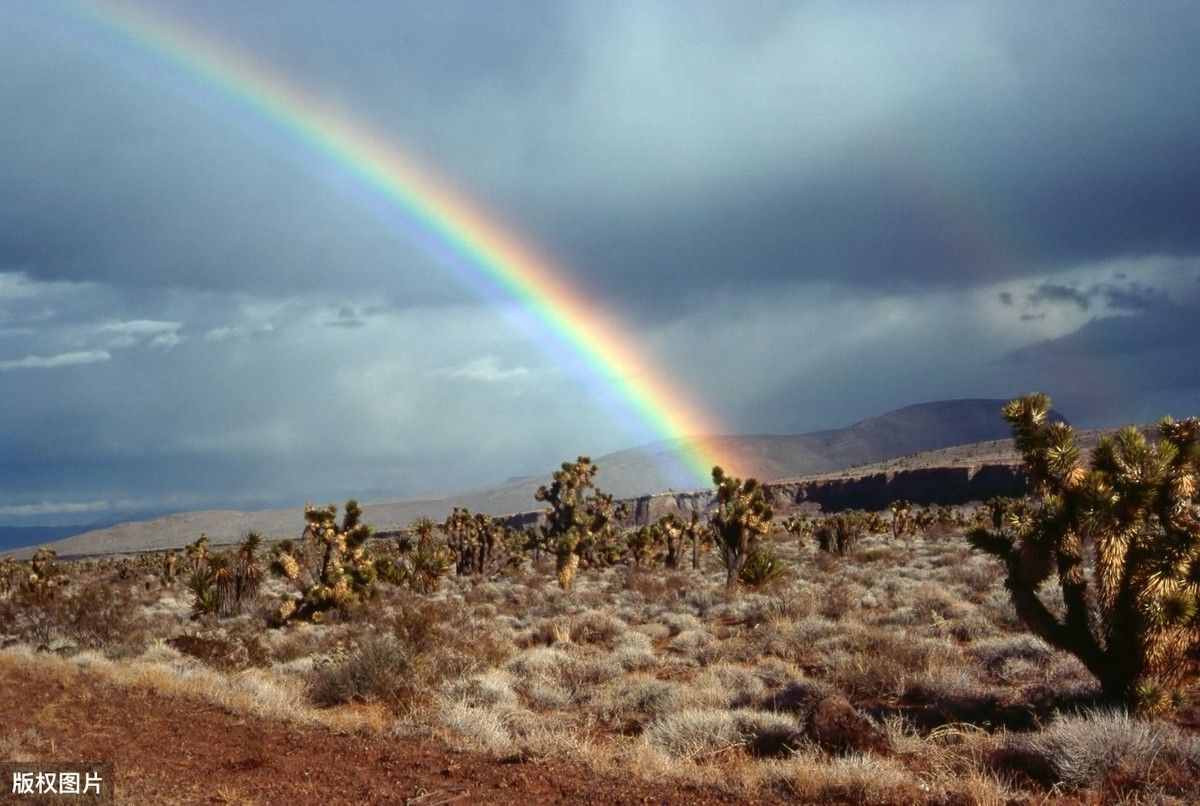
[{"x": 113, "y": 519}]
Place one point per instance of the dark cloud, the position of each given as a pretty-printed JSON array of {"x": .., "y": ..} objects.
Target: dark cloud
[
  {"x": 881, "y": 197},
  {"x": 1053, "y": 293},
  {"x": 1128, "y": 296},
  {"x": 886, "y": 148},
  {"x": 1127, "y": 368}
]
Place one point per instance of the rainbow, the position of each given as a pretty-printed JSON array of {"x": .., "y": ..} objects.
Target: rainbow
[{"x": 450, "y": 219}]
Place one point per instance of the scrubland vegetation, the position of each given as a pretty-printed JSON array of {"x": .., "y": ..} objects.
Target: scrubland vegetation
[{"x": 1011, "y": 652}]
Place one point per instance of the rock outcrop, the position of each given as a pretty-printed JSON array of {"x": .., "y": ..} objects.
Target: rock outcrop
[{"x": 923, "y": 486}]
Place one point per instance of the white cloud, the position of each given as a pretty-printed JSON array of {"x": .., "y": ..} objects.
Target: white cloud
[
  {"x": 152, "y": 332},
  {"x": 231, "y": 332},
  {"x": 485, "y": 370},
  {"x": 54, "y": 508},
  {"x": 55, "y": 361}
]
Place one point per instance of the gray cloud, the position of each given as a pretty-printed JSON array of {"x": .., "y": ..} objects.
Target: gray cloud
[
  {"x": 1054, "y": 293},
  {"x": 54, "y": 361},
  {"x": 803, "y": 212}
]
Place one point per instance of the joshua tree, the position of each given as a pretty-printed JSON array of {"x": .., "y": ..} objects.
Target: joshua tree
[
  {"x": 742, "y": 515},
  {"x": 700, "y": 534},
  {"x": 197, "y": 553},
  {"x": 580, "y": 520},
  {"x": 923, "y": 518},
  {"x": 44, "y": 577},
  {"x": 873, "y": 523},
  {"x": 1131, "y": 615},
  {"x": 331, "y": 567},
  {"x": 10, "y": 573},
  {"x": 428, "y": 561},
  {"x": 170, "y": 566},
  {"x": 798, "y": 526},
  {"x": 643, "y": 542},
  {"x": 479, "y": 542},
  {"x": 672, "y": 530},
  {"x": 839, "y": 533},
  {"x": 901, "y": 518}
]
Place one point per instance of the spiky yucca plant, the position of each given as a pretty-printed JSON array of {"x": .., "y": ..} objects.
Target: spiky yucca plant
[
  {"x": 1132, "y": 615},
  {"x": 580, "y": 521},
  {"x": 331, "y": 567},
  {"x": 224, "y": 583},
  {"x": 742, "y": 514},
  {"x": 428, "y": 561},
  {"x": 761, "y": 567}
]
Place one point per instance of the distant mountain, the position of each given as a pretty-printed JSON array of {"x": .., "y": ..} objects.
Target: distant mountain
[
  {"x": 13, "y": 537},
  {"x": 626, "y": 474}
]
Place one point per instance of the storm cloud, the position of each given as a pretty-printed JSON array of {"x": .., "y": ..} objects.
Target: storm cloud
[{"x": 805, "y": 212}]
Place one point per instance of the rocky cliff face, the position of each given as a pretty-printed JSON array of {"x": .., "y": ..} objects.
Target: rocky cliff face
[{"x": 924, "y": 486}]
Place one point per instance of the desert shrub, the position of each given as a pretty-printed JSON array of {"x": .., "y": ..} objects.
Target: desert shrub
[
  {"x": 729, "y": 685},
  {"x": 637, "y": 698},
  {"x": 1108, "y": 750},
  {"x": 96, "y": 615},
  {"x": 382, "y": 669},
  {"x": 1132, "y": 615},
  {"x": 837, "y": 603},
  {"x": 224, "y": 652},
  {"x": 994, "y": 653},
  {"x": 697, "y": 732},
  {"x": 596, "y": 627}
]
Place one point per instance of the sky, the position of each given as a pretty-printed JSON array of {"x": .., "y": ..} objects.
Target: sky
[{"x": 803, "y": 214}]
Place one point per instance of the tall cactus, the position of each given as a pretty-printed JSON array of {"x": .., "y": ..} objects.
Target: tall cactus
[
  {"x": 742, "y": 514},
  {"x": 580, "y": 520},
  {"x": 1133, "y": 616}
]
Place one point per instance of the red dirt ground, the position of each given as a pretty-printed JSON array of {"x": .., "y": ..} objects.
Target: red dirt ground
[{"x": 171, "y": 750}]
